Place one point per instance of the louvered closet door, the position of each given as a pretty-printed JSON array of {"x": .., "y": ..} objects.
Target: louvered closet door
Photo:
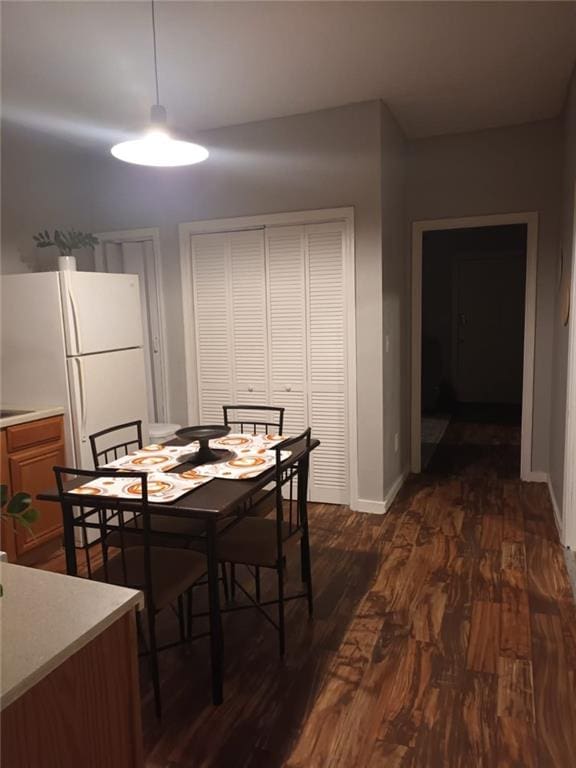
[
  {"x": 287, "y": 323},
  {"x": 327, "y": 405},
  {"x": 249, "y": 321},
  {"x": 213, "y": 323}
]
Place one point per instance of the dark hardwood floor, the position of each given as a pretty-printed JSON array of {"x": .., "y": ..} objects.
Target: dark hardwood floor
[{"x": 444, "y": 635}]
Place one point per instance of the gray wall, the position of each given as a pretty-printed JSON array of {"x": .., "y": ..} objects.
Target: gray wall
[
  {"x": 560, "y": 363},
  {"x": 395, "y": 301},
  {"x": 318, "y": 160},
  {"x": 503, "y": 170},
  {"x": 45, "y": 185}
]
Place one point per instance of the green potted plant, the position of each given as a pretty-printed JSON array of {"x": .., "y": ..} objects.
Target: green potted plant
[
  {"x": 67, "y": 241},
  {"x": 19, "y": 510}
]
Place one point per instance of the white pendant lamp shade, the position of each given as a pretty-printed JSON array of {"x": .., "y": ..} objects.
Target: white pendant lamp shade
[{"x": 156, "y": 147}]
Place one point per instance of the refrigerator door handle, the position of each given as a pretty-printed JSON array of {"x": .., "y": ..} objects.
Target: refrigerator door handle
[
  {"x": 82, "y": 400},
  {"x": 74, "y": 320}
]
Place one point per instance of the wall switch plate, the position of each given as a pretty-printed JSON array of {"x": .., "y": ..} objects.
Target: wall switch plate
[
  {"x": 387, "y": 343},
  {"x": 396, "y": 442}
]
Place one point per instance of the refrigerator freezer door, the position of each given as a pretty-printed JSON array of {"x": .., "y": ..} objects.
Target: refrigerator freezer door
[
  {"x": 101, "y": 312},
  {"x": 106, "y": 390}
]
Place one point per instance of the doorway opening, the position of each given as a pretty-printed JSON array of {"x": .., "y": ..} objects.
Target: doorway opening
[
  {"x": 137, "y": 252},
  {"x": 473, "y": 344}
]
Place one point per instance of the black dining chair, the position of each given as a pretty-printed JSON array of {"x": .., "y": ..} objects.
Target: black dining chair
[
  {"x": 165, "y": 575},
  {"x": 115, "y": 442},
  {"x": 255, "y": 419},
  {"x": 266, "y": 542}
]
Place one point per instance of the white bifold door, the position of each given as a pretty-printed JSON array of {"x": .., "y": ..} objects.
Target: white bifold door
[
  {"x": 136, "y": 257},
  {"x": 269, "y": 319}
]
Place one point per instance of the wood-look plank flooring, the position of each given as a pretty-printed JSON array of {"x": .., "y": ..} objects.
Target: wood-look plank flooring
[{"x": 444, "y": 635}]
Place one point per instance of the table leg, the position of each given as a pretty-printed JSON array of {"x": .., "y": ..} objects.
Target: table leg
[
  {"x": 215, "y": 616},
  {"x": 69, "y": 542}
]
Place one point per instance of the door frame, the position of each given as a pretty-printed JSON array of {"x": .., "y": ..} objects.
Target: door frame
[
  {"x": 136, "y": 235},
  {"x": 292, "y": 218},
  {"x": 530, "y": 219},
  {"x": 568, "y": 532}
]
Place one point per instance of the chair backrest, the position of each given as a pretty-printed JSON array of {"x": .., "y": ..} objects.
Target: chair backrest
[
  {"x": 114, "y": 442},
  {"x": 291, "y": 484},
  {"x": 96, "y": 525},
  {"x": 254, "y": 418}
]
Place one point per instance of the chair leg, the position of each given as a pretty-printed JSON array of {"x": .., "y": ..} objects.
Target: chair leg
[
  {"x": 140, "y": 631},
  {"x": 181, "y": 620},
  {"x": 257, "y": 582},
  {"x": 281, "y": 628},
  {"x": 232, "y": 582},
  {"x": 189, "y": 598},
  {"x": 307, "y": 570},
  {"x": 154, "y": 662},
  {"x": 225, "y": 582}
]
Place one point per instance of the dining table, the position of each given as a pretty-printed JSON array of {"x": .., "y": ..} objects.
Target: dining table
[{"x": 211, "y": 503}]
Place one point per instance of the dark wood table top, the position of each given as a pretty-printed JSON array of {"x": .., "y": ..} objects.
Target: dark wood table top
[{"x": 215, "y": 499}]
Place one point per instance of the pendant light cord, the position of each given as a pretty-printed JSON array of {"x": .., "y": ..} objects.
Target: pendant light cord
[{"x": 155, "y": 54}]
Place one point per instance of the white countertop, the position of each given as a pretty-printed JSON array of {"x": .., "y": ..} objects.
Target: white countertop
[
  {"x": 46, "y": 617},
  {"x": 33, "y": 415}
]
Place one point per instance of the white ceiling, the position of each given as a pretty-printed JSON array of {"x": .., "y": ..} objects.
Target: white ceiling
[{"x": 85, "y": 68}]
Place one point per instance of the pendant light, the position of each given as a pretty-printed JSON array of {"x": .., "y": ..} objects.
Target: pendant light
[{"x": 156, "y": 147}]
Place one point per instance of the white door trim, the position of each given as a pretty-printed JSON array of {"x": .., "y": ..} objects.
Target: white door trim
[
  {"x": 568, "y": 532},
  {"x": 134, "y": 235},
  {"x": 418, "y": 229},
  {"x": 345, "y": 215}
]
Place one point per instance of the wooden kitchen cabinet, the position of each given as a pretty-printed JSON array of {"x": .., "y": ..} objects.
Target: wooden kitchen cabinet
[
  {"x": 29, "y": 452},
  {"x": 7, "y": 543}
]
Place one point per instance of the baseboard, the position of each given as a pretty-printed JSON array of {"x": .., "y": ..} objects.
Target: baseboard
[
  {"x": 536, "y": 476},
  {"x": 381, "y": 507},
  {"x": 395, "y": 487},
  {"x": 372, "y": 507},
  {"x": 556, "y": 508}
]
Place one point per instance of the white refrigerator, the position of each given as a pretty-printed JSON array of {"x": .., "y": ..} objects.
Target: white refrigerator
[{"x": 74, "y": 339}]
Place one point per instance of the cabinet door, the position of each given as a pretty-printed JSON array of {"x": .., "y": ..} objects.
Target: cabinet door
[
  {"x": 287, "y": 323},
  {"x": 8, "y": 541},
  {"x": 31, "y": 471}
]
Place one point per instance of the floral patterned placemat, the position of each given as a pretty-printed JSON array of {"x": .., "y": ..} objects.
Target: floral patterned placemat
[
  {"x": 163, "y": 458},
  {"x": 162, "y": 487},
  {"x": 244, "y": 466}
]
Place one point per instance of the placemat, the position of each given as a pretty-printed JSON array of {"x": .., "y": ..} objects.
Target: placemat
[{"x": 162, "y": 487}]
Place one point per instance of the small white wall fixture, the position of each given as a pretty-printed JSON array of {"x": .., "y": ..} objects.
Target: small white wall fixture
[
  {"x": 151, "y": 234},
  {"x": 418, "y": 229},
  {"x": 346, "y": 216}
]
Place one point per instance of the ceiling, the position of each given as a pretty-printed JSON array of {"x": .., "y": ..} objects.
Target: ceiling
[{"x": 84, "y": 69}]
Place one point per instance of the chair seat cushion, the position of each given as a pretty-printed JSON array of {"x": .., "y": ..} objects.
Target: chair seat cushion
[
  {"x": 165, "y": 531},
  {"x": 261, "y": 504},
  {"x": 253, "y": 542},
  {"x": 173, "y": 571}
]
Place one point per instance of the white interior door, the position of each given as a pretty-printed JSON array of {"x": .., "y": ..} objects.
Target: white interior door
[
  {"x": 137, "y": 257},
  {"x": 327, "y": 363},
  {"x": 270, "y": 325},
  {"x": 213, "y": 325},
  {"x": 286, "y": 277}
]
